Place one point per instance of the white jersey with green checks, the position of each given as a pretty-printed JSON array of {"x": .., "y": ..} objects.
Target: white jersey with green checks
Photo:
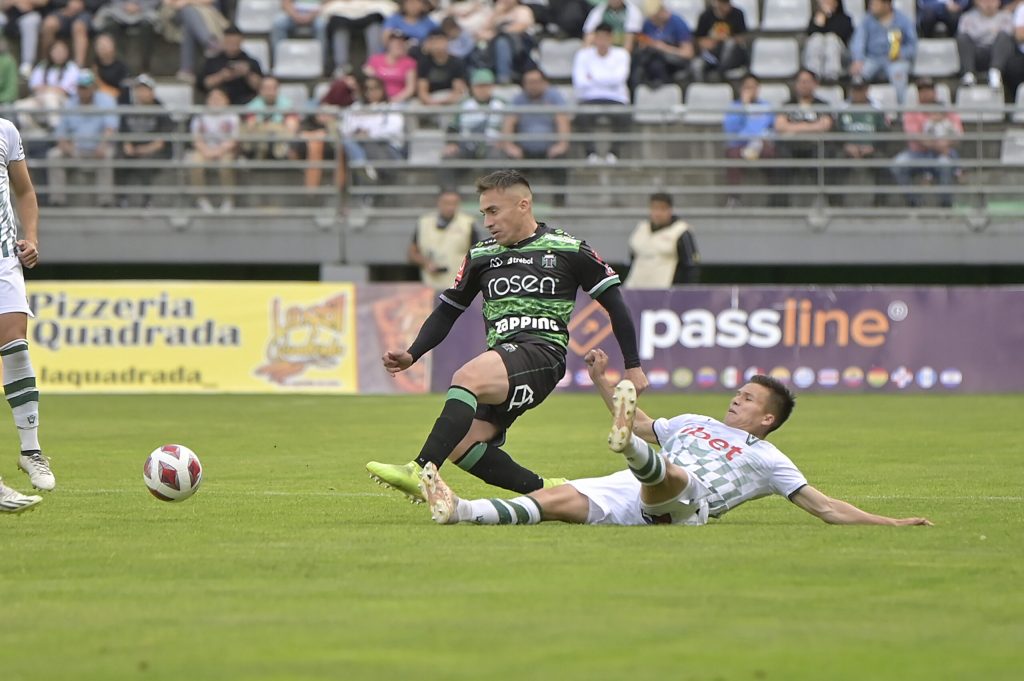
[
  {"x": 10, "y": 151},
  {"x": 733, "y": 464}
]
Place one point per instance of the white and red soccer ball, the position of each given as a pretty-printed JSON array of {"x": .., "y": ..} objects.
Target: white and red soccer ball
[{"x": 172, "y": 473}]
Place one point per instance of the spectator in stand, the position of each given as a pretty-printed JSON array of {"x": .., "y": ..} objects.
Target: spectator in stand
[
  {"x": 371, "y": 130},
  {"x": 538, "y": 135},
  {"x": 984, "y": 39},
  {"x": 395, "y": 68},
  {"x": 828, "y": 34},
  {"x": 21, "y": 20},
  {"x": 568, "y": 16},
  {"x": 749, "y": 124},
  {"x": 884, "y": 43},
  {"x": 931, "y": 148},
  {"x": 506, "y": 40},
  {"x": 345, "y": 17},
  {"x": 215, "y": 143},
  {"x": 413, "y": 20},
  {"x": 232, "y": 70},
  {"x": 662, "y": 249},
  {"x": 799, "y": 128},
  {"x": 664, "y": 49},
  {"x": 85, "y": 136},
  {"x": 272, "y": 125},
  {"x": 198, "y": 25},
  {"x": 439, "y": 72},
  {"x": 862, "y": 119},
  {"x": 475, "y": 133},
  {"x": 69, "y": 20},
  {"x": 721, "y": 32},
  {"x": 144, "y": 136},
  {"x": 52, "y": 82},
  {"x": 624, "y": 18},
  {"x": 600, "y": 75},
  {"x": 441, "y": 240},
  {"x": 931, "y": 13},
  {"x": 461, "y": 42},
  {"x": 112, "y": 73},
  {"x": 131, "y": 21},
  {"x": 8, "y": 76},
  {"x": 1014, "y": 74},
  {"x": 297, "y": 15}
]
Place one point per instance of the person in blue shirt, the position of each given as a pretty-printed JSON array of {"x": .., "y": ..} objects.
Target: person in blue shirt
[
  {"x": 884, "y": 43},
  {"x": 749, "y": 124},
  {"x": 412, "y": 20},
  {"x": 665, "y": 48},
  {"x": 931, "y": 13},
  {"x": 86, "y": 135}
]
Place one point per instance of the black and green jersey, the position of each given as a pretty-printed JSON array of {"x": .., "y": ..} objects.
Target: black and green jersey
[{"x": 529, "y": 289}]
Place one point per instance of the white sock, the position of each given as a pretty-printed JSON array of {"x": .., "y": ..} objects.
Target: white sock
[
  {"x": 518, "y": 511},
  {"x": 645, "y": 464},
  {"x": 20, "y": 390}
]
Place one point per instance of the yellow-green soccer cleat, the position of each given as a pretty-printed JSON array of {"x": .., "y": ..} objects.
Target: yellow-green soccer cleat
[
  {"x": 554, "y": 482},
  {"x": 404, "y": 478},
  {"x": 624, "y": 408}
]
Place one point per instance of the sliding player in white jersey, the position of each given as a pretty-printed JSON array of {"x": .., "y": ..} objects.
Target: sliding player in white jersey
[
  {"x": 19, "y": 378},
  {"x": 705, "y": 468}
]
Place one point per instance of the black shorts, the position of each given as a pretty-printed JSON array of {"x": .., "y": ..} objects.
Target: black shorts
[{"x": 534, "y": 369}]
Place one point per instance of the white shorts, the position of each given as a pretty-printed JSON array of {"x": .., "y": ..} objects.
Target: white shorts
[
  {"x": 12, "y": 287},
  {"x": 615, "y": 500}
]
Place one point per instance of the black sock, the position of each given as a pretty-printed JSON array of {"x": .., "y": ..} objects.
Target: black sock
[
  {"x": 495, "y": 467},
  {"x": 450, "y": 427}
]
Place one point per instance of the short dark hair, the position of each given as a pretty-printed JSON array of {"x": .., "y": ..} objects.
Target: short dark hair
[
  {"x": 448, "y": 189},
  {"x": 781, "y": 399},
  {"x": 661, "y": 197},
  {"x": 501, "y": 180},
  {"x": 604, "y": 27},
  {"x": 802, "y": 71},
  {"x": 534, "y": 69}
]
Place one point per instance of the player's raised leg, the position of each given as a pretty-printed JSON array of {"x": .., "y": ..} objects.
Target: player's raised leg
[
  {"x": 13, "y": 501},
  {"x": 644, "y": 462},
  {"x": 483, "y": 378}
]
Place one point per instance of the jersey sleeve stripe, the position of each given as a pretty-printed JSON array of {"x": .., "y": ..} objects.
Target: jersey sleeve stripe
[
  {"x": 602, "y": 285},
  {"x": 451, "y": 302}
]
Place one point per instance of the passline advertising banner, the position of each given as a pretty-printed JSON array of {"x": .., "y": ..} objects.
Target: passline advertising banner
[
  {"x": 821, "y": 339},
  {"x": 193, "y": 337}
]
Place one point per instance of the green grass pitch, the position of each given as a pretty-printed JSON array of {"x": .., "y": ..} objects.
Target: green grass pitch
[{"x": 290, "y": 564}]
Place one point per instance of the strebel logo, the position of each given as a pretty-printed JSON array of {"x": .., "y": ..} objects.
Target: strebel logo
[
  {"x": 796, "y": 324},
  {"x": 519, "y": 283}
]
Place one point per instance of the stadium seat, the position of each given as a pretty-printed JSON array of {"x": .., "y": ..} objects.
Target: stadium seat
[
  {"x": 1012, "y": 151},
  {"x": 883, "y": 95},
  {"x": 556, "y": 57},
  {"x": 568, "y": 93},
  {"x": 426, "y": 147},
  {"x": 833, "y": 94},
  {"x": 256, "y": 16},
  {"x": 506, "y": 93},
  {"x": 775, "y": 94},
  {"x": 908, "y": 7},
  {"x": 751, "y": 13},
  {"x": 774, "y": 57},
  {"x": 937, "y": 58},
  {"x": 980, "y": 104},
  {"x": 786, "y": 15},
  {"x": 855, "y": 8},
  {"x": 1018, "y": 109},
  {"x": 706, "y": 103},
  {"x": 689, "y": 10},
  {"x": 659, "y": 105},
  {"x": 258, "y": 49},
  {"x": 298, "y": 59},
  {"x": 320, "y": 89},
  {"x": 298, "y": 93},
  {"x": 175, "y": 96}
]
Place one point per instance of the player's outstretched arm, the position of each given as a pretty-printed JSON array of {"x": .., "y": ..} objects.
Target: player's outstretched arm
[
  {"x": 433, "y": 331},
  {"x": 597, "y": 362},
  {"x": 838, "y": 512},
  {"x": 625, "y": 335}
]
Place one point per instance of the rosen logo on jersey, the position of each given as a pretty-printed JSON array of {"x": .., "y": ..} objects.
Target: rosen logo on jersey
[
  {"x": 520, "y": 283},
  {"x": 797, "y": 324}
]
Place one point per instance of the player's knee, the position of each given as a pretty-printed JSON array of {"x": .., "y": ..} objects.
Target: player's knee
[{"x": 564, "y": 503}]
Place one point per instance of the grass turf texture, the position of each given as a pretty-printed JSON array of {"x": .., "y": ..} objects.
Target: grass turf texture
[{"x": 289, "y": 563}]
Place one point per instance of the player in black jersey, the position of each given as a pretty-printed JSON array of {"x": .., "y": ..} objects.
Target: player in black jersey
[{"x": 528, "y": 275}]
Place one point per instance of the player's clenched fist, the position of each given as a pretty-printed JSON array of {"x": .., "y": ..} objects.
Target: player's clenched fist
[
  {"x": 28, "y": 253},
  {"x": 396, "y": 361}
]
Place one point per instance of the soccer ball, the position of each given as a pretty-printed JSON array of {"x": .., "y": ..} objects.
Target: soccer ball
[{"x": 172, "y": 473}]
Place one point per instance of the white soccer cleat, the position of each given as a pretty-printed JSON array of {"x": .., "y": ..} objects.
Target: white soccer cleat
[
  {"x": 13, "y": 501},
  {"x": 440, "y": 498},
  {"x": 38, "y": 468},
  {"x": 624, "y": 408}
]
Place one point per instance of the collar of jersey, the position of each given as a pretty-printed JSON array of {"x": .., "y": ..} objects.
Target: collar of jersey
[{"x": 541, "y": 229}]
